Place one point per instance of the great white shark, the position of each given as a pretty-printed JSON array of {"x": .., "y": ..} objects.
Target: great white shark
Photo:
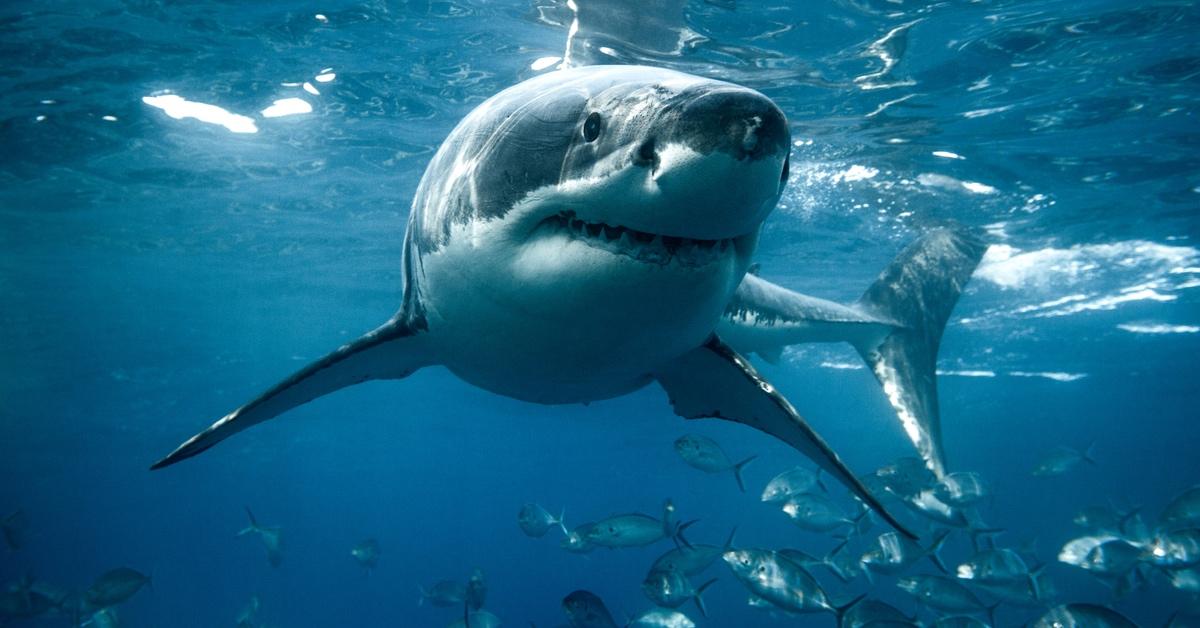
[{"x": 588, "y": 232}]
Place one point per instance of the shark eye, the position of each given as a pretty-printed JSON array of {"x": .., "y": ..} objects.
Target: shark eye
[{"x": 591, "y": 127}]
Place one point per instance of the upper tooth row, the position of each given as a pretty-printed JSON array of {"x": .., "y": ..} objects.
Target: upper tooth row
[{"x": 617, "y": 233}]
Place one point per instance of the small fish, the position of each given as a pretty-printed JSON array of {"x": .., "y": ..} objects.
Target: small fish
[
  {"x": 793, "y": 482},
  {"x": 906, "y": 477},
  {"x": 961, "y": 489},
  {"x": 585, "y": 609},
  {"x": 1174, "y": 550},
  {"x": 999, "y": 567},
  {"x": 818, "y": 513},
  {"x": 103, "y": 618},
  {"x": 1183, "y": 511},
  {"x": 476, "y": 593},
  {"x": 271, "y": 538},
  {"x": 23, "y": 601},
  {"x": 694, "y": 559},
  {"x": 1082, "y": 616},
  {"x": 777, "y": 582},
  {"x": 576, "y": 541},
  {"x": 248, "y": 617},
  {"x": 671, "y": 589},
  {"x": 13, "y": 528},
  {"x": 115, "y": 586},
  {"x": 535, "y": 521},
  {"x": 1101, "y": 555},
  {"x": 1103, "y": 520},
  {"x": 1061, "y": 460},
  {"x": 874, "y": 613},
  {"x": 637, "y": 529},
  {"x": 893, "y": 553},
  {"x": 476, "y": 619},
  {"x": 443, "y": 593},
  {"x": 944, "y": 594},
  {"x": 702, "y": 452},
  {"x": 366, "y": 553},
  {"x": 661, "y": 618}
]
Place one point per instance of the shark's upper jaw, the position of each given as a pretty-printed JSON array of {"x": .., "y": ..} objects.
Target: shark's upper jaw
[{"x": 650, "y": 248}]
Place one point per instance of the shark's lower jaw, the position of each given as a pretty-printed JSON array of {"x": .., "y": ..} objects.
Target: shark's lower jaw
[{"x": 642, "y": 246}]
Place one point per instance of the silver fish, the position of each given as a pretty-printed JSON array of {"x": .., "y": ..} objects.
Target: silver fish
[
  {"x": 576, "y": 541},
  {"x": 535, "y": 521},
  {"x": 476, "y": 593},
  {"x": 1082, "y": 616},
  {"x": 115, "y": 586},
  {"x": 271, "y": 537},
  {"x": 670, "y": 588},
  {"x": 1183, "y": 511},
  {"x": 894, "y": 553},
  {"x": 702, "y": 452},
  {"x": 961, "y": 489},
  {"x": 476, "y": 619},
  {"x": 694, "y": 559},
  {"x": 366, "y": 553},
  {"x": 585, "y": 609},
  {"x": 1061, "y": 460},
  {"x": 443, "y": 593},
  {"x": 1174, "y": 550},
  {"x": 777, "y": 582},
  {"x": 943, "y": 594},
  {"x": 661, "y": 618},
  {"x": 818, "y": 513},
  {"x": 792, "y": 482},
  {"x": 874, "y": 613},
  {"x": 1101, "y": 555},
  {"x": 636, "y": 529},
  {"x": 906, "y": 477}
]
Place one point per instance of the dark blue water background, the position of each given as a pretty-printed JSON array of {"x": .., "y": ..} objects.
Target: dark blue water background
[{"x": 158, "y": 272}]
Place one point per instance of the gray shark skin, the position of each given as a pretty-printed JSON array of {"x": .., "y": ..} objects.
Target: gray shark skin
[{"x": 587, "y": 232}]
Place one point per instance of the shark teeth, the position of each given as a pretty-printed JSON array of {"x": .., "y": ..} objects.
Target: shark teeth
[{"x": 643, "y": 246}]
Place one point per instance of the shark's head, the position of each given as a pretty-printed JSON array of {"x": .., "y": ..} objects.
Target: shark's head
[{"x": 612, "y": 196}]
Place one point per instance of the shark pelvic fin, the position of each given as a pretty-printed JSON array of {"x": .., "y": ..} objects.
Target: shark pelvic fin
[
  {"x": 714, "y": 381},
  {"x": 393, "y": 351}
]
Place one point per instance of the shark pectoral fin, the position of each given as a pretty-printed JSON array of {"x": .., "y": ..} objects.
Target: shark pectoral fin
[
  {"x": 393, "y": 351},
  {"x": 714, "y": 381}
]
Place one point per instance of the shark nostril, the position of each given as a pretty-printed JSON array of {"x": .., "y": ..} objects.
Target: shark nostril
[{"x": 647, "y": 154}]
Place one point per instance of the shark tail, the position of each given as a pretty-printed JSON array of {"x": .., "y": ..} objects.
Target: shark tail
[
  {"x": 915, "y": 295},
  {"x": 699, "y": 599},
  {"x": 737, "y": 472}
]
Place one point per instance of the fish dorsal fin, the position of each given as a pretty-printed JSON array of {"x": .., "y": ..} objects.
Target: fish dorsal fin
[{"x": 714, "y": 381}]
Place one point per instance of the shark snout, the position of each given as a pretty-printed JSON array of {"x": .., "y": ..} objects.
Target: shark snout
[{"x": 736, "y": 121}]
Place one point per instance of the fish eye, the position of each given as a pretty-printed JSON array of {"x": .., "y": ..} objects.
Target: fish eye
[{"x": 591, "y": 127}]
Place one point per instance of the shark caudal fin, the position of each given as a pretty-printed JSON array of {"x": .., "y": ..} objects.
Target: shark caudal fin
[
  {"x": 393, "y": 351},
  {"x": 916, "y": 294}
]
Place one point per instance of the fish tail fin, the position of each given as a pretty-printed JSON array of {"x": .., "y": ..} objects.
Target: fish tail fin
[
  {"x": 987, "y": 533},
  {"x": 832, "y": 564},
  {"x": 729, "y": 541},
  {"x": 1087, "y": 453},
  {"x": 1034, "y": 587},
  {"x": 737, "y": 471},
  {"x": 562, "y": 516},
  {"x": 915, "y": 295},
  {"x": 678, "y": 536},
  {"x": 698, "y": 597},
  {"x": 935, "y": 555},
  {"x": 840, "y": 611},
  {"x": 863, "y": 522},
  {"x": 821, "y": 483},
  {"x": 253, "y": 527}
]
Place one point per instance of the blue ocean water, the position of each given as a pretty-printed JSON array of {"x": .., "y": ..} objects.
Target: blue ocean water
[{"x": 158, "y": 272}]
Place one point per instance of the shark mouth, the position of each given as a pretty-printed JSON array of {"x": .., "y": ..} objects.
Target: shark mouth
[{"x": 641, "y": 245}]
